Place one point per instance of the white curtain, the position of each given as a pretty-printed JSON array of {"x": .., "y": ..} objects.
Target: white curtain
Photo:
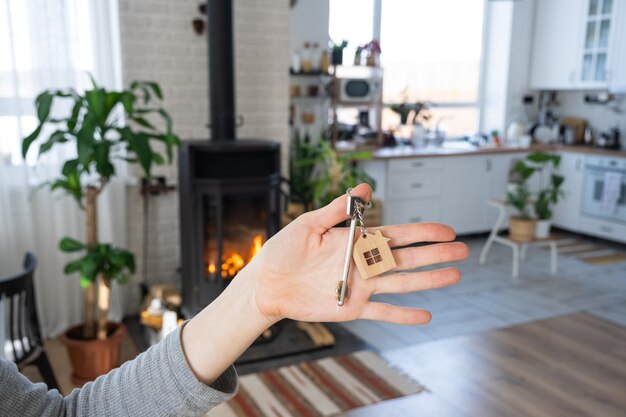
[{"x": 50, "y": 44}]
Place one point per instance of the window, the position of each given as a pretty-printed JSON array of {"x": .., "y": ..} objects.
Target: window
[
  {"x": 372, "y": 256},
  {"x": 44, "y": 45},
  {"x": 431, "y": 51}
]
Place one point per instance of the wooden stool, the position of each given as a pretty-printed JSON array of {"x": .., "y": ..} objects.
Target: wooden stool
[{"x": 519, "y": 248}]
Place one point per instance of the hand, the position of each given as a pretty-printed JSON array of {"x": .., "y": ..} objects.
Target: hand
[{"x": 296, "y": 273}]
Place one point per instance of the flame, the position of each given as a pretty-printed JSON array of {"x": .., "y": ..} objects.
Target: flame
[
  {"x": 235, "y": 262},
  {"x": 257, "y": 244}
]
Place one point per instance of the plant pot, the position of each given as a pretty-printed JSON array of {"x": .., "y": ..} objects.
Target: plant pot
[
  {"x": 542, "y": 229},
  {"x": 521, "y": 230},
  {"x": 337, "y": 57},
  {"x": 92, "y": 358}
]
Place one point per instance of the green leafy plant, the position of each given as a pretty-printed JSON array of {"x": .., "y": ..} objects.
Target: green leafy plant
[
  {"x": 335, "y": 173},
  {"x": 103, "y": 125},
  {"x": 545, "y": 164},
  {"x": 338, "y": 47},
  {"x": 303, "y": 158},
  {"x": 519, "y": 199}
]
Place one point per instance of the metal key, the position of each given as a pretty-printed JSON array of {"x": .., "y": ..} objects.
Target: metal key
[{"x": 351, "y": 210}]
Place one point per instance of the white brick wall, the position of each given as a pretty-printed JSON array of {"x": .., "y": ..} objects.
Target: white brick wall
[{"x": 158, "y": 43}]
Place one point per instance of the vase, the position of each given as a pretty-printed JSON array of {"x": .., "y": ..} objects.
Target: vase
[{"x": 337, "y": 56}]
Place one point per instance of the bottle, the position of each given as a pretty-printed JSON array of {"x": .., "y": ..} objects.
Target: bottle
[
  {"x": 315, "y": 57},
  {"x": 296, "y": 62},
  {"x": 324, "y": 62},
  {"x": 307, "y": 65}
]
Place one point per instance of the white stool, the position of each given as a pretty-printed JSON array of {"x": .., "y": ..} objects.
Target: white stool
[{"x": 519, "y": 248}]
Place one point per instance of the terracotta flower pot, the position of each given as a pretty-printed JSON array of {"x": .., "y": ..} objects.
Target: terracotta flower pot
[
  {"x": 92, "y": 358},
  {"x": 521, "y": 230}
]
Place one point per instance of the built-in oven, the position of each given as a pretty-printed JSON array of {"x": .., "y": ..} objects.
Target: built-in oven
[{"x": 604, "y": 192}]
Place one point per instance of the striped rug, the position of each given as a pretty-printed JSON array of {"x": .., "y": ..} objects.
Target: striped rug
[{"x": 321, "y": 388}]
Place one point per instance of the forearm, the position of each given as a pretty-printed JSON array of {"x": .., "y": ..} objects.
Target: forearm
[
  {"x": 223, "y": 330},
  {"x": 157, "y": 382}
]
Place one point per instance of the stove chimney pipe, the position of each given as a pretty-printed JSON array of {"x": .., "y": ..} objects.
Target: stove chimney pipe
[{"x": 221, "y": 69}]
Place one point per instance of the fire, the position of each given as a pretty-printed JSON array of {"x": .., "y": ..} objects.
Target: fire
[
  {"x": 233, "y": 263},
  {"x": 257, "y": 244}
]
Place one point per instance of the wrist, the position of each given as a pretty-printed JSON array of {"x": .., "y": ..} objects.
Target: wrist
[{"x": 245, "y": 290}]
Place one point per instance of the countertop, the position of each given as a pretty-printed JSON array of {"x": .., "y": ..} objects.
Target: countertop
[{"x": 410, "y": 152}]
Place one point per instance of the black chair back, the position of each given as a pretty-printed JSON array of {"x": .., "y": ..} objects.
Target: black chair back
[{"x": 20, "y": 313}]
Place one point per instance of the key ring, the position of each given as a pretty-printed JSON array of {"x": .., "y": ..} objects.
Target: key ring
[{"x": 359, "y": 207}]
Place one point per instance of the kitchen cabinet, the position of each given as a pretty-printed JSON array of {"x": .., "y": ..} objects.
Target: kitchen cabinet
[
  {"x": 617, "y": 74},
  {"x": 555, "y": 50},
  {"x": 577, "y": 44},
  {"x": 566, "y": 212},
  {"x": 499, "y": 168},
  {"x": 466, "y": 191},
  {"x": 413, "y": 188}
]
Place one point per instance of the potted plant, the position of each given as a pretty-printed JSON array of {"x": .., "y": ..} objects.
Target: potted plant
[
  {"x": 302, "y": 160},
  {"x": 337, "y": 51},
  {"x": 521, "y": 225},
  {"x": 96, "y": 126},
  {"x": 334, "y": 173},
  {"x": 549, "y": 192}
]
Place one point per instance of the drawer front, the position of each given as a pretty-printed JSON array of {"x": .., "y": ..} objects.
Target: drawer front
[
  {"x": 405, "y": 186},
  {"x": 412, "y": 211},
  {"x": 602, "y": 228},
  {"x": 607, "y": 162},
  {"x": 414, "y": 165}
]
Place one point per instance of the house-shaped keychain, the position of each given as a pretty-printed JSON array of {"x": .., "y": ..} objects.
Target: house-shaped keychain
[{"x": 372, "y": 254}]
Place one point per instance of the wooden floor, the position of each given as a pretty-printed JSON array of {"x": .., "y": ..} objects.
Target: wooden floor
[{"x": 569, "y": 366}]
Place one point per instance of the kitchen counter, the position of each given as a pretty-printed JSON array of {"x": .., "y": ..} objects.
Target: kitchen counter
[{"x": 410, "y": 152}]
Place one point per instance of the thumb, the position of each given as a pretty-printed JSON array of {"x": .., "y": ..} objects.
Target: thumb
[{"x": 336, "y": 212}]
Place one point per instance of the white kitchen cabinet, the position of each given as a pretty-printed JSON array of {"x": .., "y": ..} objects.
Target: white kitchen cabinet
[
  {"x": 567, "y": 212},
  {"x": 500, "y": 165},
  {"x": 578, "y": 44},
  {"x": 465, "y": 193},
  {"x": 413, "y": 211},
  {"x": 556, "y": 44},
  {"x": 617, "y": 73}
]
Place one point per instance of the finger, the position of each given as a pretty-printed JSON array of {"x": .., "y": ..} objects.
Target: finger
[
  {"x": 416, "y": 281},
  {"x": 411, "y": 258},
  {"x": 394, "y": 314},
  {"x": 335, "y": 212},
  {"x": 405, "y": 234}
]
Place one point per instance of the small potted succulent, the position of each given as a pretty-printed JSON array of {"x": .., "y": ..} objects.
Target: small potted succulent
[{"x": 337, "y": 51}]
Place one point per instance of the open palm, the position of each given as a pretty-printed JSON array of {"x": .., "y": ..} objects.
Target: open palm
[{"x": 297, "y": 271}]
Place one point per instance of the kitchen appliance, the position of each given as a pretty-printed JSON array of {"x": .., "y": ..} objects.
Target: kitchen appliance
[
  {"x": 609, "y": 140},
  {"x": 357, "y": 90},
  {"x": 604, "y": 192},
  {"x": 577, "y": 128}
]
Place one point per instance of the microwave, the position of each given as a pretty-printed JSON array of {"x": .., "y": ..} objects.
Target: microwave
[{"x": 357, "y": 90}]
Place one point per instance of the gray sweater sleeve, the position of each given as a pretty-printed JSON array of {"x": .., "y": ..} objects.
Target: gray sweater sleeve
[{"x": 158, "y": 382}]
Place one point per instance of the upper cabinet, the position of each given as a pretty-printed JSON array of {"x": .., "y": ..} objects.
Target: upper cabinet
[
  {"x": 555, "y": 44},
  {"x": 617, "y": 74},
  {"x": 578, "y": 44}
]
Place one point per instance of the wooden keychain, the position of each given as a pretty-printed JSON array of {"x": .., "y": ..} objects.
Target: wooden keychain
[{"x": 371, "y": 252}]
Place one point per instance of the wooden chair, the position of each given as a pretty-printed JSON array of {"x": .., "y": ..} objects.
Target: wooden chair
[
  {"x": 17, "y": 293},
  {"x": 519, "y": 248}
]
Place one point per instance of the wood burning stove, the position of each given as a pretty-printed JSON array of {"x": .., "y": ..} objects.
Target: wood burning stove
[
  {"x": 229, "y": 189},
  {"x": 229, "y": 206}
]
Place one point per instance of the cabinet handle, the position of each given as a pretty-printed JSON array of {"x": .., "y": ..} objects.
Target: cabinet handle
[
  {"x": 415, "y": 219},
  {"x": 416, "y": 185},
  {"x": 572, "y": 77},
  {"x": 578, "y": 164},
  {"x": 606, "y": 229},
  {"x": 417, "y": 164},
  {"x": 488, "y": 165},
  {"x": 613, "y": 163}
]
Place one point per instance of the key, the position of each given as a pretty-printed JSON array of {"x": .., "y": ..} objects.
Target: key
[{"x": 342, "y": 285}]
